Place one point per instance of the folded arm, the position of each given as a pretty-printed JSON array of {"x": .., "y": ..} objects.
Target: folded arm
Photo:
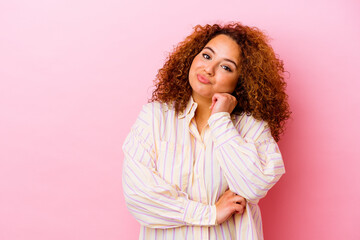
[{"x": 252, "y": 160}]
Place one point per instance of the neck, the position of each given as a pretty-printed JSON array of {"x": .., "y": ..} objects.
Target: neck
[{"x": 203, "y": 105}]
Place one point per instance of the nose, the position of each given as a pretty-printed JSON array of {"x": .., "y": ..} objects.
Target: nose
[{"x": 210, "y": 69}]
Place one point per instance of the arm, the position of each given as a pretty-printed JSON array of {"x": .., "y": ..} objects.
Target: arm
[
  {"x": 253, "y": 163},
  {"x": 151, "y": 200}
]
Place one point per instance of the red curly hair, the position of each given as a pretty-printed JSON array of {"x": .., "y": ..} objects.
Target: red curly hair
[{"x": 260, "y": 89}]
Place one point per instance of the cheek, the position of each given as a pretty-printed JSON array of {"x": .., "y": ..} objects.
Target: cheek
[
  {"x": 234, "y": 83},
  {"x": 228, "y": 84},
  {"x": 196, "y": 62}
]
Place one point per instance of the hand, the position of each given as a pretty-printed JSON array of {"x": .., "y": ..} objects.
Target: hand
[
  {"x": 223, "y": 102},
  {"x": 228, "y": 204}
]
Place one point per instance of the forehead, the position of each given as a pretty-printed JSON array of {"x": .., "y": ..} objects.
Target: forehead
[{"x": 225, "y": 46}]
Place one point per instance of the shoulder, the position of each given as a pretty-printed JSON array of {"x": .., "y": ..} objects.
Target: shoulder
[
  {"x": 156, "y": 107},
  {"x": 152, "y": 111},
  {"x": 251, "y": 128}
]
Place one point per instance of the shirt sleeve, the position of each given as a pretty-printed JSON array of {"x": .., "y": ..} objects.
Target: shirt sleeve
[
  {"x": 250, "y": 157},
  {"x": 153, "y": 201}
]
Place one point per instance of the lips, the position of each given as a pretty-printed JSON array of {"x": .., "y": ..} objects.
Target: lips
[{"x": 202, "y": 79}]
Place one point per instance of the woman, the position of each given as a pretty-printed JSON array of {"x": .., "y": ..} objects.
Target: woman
[{"x": 203, "y": 151}]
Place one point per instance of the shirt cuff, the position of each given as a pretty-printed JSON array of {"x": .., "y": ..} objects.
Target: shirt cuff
[
  {"x": 197, "y": 213},
  {"x": 222, "y": 128}
]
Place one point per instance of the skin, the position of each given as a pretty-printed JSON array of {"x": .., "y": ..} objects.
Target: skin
[
  {"x": 228, "y": 204},
  {"x": 219, "y": 65}
]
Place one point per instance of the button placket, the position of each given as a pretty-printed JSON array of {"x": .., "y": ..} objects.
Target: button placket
[{"x": 200, "y": 171}]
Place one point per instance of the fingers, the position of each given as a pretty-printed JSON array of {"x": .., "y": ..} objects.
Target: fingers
[
  {"x": 223, "y": 96},
  {"x": 240, "y": 200},
  {"x": 213, "y": 103},
  {"x": 223, "y": 102},
  {"x": 240, "y": 204},
  {"x": 228, "y": 204},
  {"x": 229, "y": 192},
  {"x": 213, "y": 100},
  {"x": 239, "y": 208}
]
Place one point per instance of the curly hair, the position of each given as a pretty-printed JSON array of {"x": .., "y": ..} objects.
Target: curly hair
[{"x": 260, "y": 89}]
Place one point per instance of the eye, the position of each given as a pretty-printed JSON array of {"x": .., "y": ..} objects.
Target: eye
[
  {"x": 206, "y": 56},
  {"x": 226, "y": 68}
]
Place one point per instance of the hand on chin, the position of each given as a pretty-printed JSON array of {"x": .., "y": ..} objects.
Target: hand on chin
[{"x": 223, "y": 102}]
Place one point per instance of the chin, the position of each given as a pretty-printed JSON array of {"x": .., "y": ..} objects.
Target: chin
[
  {"x": 204, "y": 94},
  {"x": 200, "y": 91}
]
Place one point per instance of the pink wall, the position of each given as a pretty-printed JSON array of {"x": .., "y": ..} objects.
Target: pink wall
[{"x": 74, "y": 74}]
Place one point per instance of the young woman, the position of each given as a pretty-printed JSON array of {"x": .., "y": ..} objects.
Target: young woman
[{"x": 203, "y": 151}]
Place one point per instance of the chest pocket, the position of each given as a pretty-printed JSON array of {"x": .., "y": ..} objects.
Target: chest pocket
[{"x": 173, "y": 163}]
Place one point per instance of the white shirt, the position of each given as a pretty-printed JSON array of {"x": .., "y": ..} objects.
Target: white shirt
[{"x": 173, "y": 176}]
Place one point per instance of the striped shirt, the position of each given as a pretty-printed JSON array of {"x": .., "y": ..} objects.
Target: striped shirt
[{"x": 173, "y": 175}]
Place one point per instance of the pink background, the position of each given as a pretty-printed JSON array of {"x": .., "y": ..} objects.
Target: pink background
[{"x": 74, "y": 75}]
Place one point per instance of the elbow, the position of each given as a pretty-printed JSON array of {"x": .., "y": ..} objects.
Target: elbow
[
  {"x": 138, "y": 213},
  {"x": 146, "y": 216},
  {"x": 255, "y": 196},
  {"x": 260, "y": 190},
  {"x": 149, "y": 219}
]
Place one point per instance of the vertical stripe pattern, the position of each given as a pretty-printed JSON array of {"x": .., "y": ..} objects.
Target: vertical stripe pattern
[{"x": 173, "y": 175}]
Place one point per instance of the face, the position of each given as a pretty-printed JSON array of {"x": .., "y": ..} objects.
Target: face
[{"x": 216, "y": 68}]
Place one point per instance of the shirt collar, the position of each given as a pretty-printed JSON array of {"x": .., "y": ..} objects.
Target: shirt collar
[{"x": 191, "y": 105}]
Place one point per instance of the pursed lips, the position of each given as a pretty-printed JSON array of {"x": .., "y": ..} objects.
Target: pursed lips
[{"x": 203, "y": 79}]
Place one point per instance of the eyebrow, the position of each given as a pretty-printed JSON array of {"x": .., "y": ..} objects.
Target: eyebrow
[{"x": 224, "y": 59}]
